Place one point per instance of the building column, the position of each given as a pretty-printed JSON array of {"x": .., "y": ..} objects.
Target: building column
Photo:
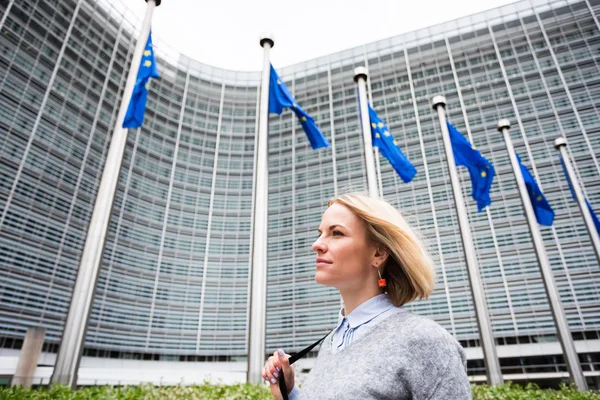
[
  {"x": 213, "y": 186},
  {"x": 332, "y": 126},
  {"x": 28, "y": 359},
  {"x": 163, "y": 234}
]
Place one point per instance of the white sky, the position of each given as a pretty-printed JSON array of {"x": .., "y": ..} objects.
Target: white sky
[{"x": 225, "y": 33}]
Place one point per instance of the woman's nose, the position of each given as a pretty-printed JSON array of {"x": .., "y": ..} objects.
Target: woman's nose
[{"x": 319, "y": 246}]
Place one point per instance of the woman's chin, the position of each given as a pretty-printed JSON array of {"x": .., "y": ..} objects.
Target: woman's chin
[{"x": 323, "y": 279}]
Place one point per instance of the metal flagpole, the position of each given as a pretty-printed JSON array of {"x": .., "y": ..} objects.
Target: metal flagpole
[
  {"x": 258, "y": 292},
  {"x": 73, "y": 338},
  {"x": 360, "y": 77},
  {"x": 560, "y": 320},
  {"x": 561, "y": 145},
  {"x": 375, "y": 149},
  {"x": 490, "y": 358}
]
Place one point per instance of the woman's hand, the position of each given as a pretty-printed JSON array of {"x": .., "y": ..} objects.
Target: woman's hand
[{"x": 275, "y": 365}]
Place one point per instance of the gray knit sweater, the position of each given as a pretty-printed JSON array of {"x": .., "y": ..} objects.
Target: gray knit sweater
[{"x": 403, "y": 357}]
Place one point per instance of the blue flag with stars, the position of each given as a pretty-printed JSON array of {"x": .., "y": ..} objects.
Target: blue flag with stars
[
  {"x": 543, "y": 212},
  {"x": 388, "y": 147},
  {"x": 589, "y": 206},
  {"x": 137, "y": 105},
  {"x": 280, "y": 98},
  {"x": 481, "y": 170}
]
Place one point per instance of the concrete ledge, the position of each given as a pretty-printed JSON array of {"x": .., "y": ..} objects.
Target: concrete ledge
[{"x": 109, "y": 371}]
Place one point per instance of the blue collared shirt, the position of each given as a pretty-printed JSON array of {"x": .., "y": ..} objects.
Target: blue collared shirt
[{"x": 360, "y": 321}]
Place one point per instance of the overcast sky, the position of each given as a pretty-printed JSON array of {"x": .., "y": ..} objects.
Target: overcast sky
[{"x": 225, "y": 33}]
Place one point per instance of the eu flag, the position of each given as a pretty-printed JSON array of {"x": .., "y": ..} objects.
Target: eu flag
[
  {"x": 137, "y": 105},
  {"x": 481, "y": 170},
  {"x": 594, "y": 216},
  {"x": 280, "y": 98},
  {"x": 543, "y": 212},
  {"x": 589, "y": 206},
  {"x": 388, "y": 147}
]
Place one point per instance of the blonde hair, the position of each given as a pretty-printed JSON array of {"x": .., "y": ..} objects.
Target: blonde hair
[{"x": 409, "y": 269}]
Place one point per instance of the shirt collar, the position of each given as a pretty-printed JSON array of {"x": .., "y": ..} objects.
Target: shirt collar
[{"x": 366, "y": 311}]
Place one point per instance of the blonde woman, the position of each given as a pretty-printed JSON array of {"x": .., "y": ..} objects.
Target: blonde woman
[{"x": 378, "y": 350}]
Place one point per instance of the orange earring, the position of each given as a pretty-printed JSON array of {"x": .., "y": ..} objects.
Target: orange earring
[{"x": 382, "y": 282}]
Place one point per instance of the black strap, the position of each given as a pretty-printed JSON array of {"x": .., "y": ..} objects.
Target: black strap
[{"x": 292, "y": 360}]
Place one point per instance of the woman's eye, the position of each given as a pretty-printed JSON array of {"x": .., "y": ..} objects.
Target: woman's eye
[{"x": 337, "y": 233}]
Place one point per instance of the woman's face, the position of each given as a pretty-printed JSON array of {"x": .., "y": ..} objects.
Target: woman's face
[{"x": 344, "y": 256}]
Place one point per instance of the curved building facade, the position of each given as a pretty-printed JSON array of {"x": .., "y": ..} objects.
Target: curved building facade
[{"x": 174, "y": 283}]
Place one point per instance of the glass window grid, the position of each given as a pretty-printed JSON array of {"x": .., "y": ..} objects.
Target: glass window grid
[{"x": 310, "y": 175}]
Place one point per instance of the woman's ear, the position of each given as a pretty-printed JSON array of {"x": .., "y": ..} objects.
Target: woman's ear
[{"x": 380, "y": 257}]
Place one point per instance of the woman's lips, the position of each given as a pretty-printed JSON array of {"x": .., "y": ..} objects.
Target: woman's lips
[{"x": 321, "y": 262}]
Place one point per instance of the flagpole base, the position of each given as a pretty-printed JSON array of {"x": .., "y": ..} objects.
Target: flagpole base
[{"x": 266, "y": 38}]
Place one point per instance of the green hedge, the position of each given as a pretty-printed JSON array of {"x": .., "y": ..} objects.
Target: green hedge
[
  {"x": 144, "y": 392},
  {"x": 247, "y": 391},
  {"x": 510, "y": 391}
]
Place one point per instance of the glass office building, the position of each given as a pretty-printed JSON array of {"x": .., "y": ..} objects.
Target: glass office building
[{"x": 174, "y": 281}]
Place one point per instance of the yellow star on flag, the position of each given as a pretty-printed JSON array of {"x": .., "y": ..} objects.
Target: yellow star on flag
[
  {"x": 380, "y": 125},
  {"x": 474, "y": 147},
  {"x": 147, "y": 85},
  {"x": 539, "y": 198},
  {"x": 377, "y": 135},
  {"x": 147, "y": 63},
  {"x": 147, "y": 53},
  {"x": 386, "y": 133},
  {"x": 278, "y": 82},
  {"x": 395, "y": 142},
  {"x": 303, "y": 118},
  {"x": 374, "y": 125},
  {"x": 483, "y": 174}
]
